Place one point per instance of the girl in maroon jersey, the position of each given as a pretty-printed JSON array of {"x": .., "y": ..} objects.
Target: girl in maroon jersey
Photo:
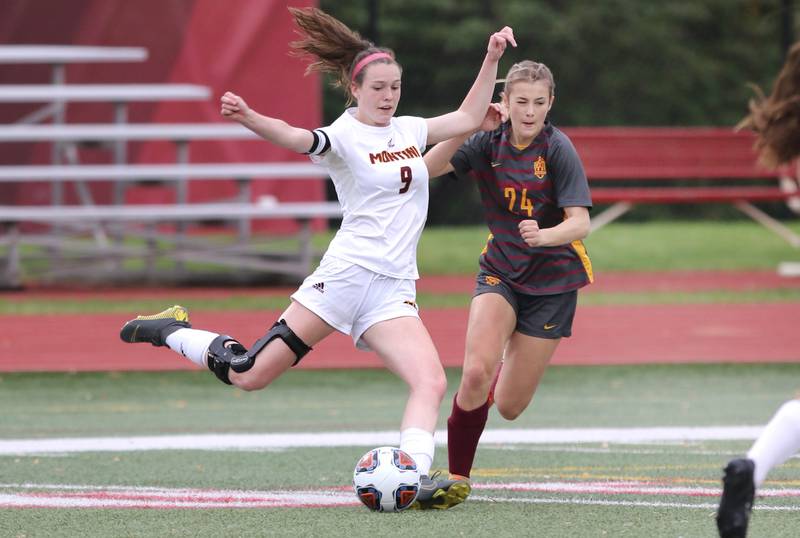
[{"x": 536, "y": 204}]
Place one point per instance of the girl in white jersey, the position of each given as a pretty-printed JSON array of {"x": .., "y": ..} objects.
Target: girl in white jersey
[{"x": 365, "y": 284}]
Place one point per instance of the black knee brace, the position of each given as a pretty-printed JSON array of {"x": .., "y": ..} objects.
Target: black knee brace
[
  {"x": 221, "y": 358},
  {"x": 281, "y": 330}
]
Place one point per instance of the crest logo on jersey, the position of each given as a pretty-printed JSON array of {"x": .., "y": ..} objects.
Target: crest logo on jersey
[
  {"x": 539, "y": 167},
  {"x": 492, "y": 280}
]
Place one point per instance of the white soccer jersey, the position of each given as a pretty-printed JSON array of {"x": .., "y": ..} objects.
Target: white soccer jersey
[{"x": 382, "y": 184}]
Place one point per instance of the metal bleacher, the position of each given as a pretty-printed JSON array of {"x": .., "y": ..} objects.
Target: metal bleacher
[{"x": 94, "y": 241}]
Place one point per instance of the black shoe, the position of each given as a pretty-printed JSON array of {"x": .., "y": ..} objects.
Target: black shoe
[
  {"x": 736, "y": 503},
  {"x": 155, "y": 328},
  {"x": 437, "y": 493}
]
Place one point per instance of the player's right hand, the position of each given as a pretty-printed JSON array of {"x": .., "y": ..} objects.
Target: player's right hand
[
  {"x": 531, "y": 233},
  {"x": 233, "y": 107}
]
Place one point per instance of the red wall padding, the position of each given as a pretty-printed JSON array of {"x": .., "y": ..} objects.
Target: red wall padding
[{"x": 237, "y": 45}]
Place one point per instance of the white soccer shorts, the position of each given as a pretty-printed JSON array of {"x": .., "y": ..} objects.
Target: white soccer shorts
[{"x": 351, "y": 299}]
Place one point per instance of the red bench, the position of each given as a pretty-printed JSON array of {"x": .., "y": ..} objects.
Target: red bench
[{"x": 633, "y": 165}]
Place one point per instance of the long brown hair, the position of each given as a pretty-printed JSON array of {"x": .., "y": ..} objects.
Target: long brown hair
[
  {"x": 336, "y": 47},
  {"x": 776, "y": 118}
]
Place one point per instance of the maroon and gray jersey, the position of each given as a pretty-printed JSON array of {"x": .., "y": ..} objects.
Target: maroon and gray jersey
[{"x": 535, "y": 182}]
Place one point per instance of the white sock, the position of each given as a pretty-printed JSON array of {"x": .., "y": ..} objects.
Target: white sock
[
  {"x": 192, "y": 344},
  {"x": 778, "y": 442},
  {"x": 418, "y": 444}
]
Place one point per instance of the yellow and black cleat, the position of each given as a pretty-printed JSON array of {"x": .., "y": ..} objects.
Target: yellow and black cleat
[
  {"x": 155, "y": 329},
  {"x": 437, "y": 493}
]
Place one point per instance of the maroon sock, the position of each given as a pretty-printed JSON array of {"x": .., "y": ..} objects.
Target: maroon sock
[{"x": 464, "y": 429}]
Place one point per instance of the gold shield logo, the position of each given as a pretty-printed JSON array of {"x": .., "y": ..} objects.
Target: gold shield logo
[
  {"x": 492, "y": 280},
  {"x": 539, "y": 167}
]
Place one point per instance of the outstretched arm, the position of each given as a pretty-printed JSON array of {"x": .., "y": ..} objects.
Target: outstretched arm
[
  {"x": 272, "y": 129},
  {"x": 471, "y": 112},
  {"x": 437, "y": 159}
]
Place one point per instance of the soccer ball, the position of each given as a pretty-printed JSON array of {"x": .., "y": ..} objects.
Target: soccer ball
[{"x": 386, "y": 479}]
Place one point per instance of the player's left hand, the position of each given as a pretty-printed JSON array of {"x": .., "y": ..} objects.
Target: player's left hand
[
  {"x": 496, "y": 114},
  {"x": 531, "y": 233},
  {"x": 498, "y": 42}
]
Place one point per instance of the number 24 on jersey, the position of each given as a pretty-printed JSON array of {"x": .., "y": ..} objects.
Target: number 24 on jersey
[{"x": 525, "y": 204}]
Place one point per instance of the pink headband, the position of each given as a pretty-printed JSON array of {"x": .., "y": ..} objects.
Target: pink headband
[{"x": 367, "y": 59}]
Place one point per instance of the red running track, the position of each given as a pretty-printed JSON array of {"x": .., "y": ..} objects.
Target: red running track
[
  {"x": 601, "y": 335},
  {"x": 615, "y": 282}
]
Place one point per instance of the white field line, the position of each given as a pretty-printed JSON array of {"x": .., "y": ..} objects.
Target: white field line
[
  {"x": 625, "y": 488},
  {"x": 666, "y": 449},
  {"x": 123, "y": 499},
  {"x": 642, "y": 504},
  {"x": 330, "y": 439},
  {"x": 80, "y": 496}
]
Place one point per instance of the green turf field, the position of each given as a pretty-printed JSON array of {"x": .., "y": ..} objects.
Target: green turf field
[
  {"x": 620, "y": 246},
  {"x": 15, "y": 305},
  {"x": 655, "y": 488},
  {"x": 627, "y": 246},
  {"x": 656, "y": 246}
]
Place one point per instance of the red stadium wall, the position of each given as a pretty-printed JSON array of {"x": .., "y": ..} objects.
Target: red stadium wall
[{"x": 237, "y": 45}]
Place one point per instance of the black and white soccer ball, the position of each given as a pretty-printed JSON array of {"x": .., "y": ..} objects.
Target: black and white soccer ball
[{"x": 386, "y": 479}]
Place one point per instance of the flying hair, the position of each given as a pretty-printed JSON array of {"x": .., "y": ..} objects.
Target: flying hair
[
  {"x": 776, "y": 118},
  {"x": 336, "y": 49}
]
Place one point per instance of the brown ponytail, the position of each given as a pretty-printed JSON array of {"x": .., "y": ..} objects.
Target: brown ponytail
[
  {"x": 336, "y": 47},
  {"x": 776, "y": 118}
]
